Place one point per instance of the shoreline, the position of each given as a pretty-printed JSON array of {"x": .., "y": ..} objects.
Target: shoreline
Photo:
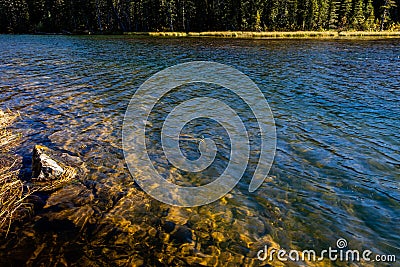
[{"x": 272, "y": 35}]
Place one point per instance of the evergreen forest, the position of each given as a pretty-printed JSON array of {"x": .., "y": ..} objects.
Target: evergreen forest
[{"x": 116, "y": 16}]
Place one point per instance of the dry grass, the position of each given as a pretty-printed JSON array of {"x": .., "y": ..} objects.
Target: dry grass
[
  {"x": 370, "y": 34},
  {"x": 12, "y": 192},
  {"x": 12, "y": 197},
  {"x": 7, "y": 118},
  {"x": 273, "y": 35},
  {"x": 240, "y": 34}
]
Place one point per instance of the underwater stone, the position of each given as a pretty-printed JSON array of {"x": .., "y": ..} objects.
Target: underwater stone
[
  {"x": 182, "y": 235},
  {"x": 43, "y": 166},
  {"x": 169, "y": 226},
  {"x": 52, "y": 169},
  {"x": 70, "y": 196}
]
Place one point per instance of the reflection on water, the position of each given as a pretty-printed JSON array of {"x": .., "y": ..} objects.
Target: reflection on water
[{"x": 336, "y": 171}]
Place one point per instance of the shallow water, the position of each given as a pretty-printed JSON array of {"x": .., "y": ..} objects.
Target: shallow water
[{"x": 336, "y": 172}]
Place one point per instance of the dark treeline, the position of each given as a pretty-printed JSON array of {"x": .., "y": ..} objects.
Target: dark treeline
[{"x": 110, "y": 16}]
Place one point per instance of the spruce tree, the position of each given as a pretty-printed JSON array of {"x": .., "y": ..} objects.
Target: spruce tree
[
  {"x": 358, "y": 17},
  {"x": 333, "y": 15},
  {"x": 385, "y": 18},
  {"x": 369, "y": 15},
  {"x": 344, "y": 14}
]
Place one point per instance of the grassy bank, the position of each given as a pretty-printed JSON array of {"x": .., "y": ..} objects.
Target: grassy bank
[
  {"x": 272, "y": 35},
  {"x": 12, "y": 193}
]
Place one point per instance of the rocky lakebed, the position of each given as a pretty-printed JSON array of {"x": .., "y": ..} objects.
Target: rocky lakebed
[{"x": 75, "y": 221}]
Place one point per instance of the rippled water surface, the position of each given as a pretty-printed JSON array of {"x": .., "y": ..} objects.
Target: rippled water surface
[{"x": 336, "y": 172}]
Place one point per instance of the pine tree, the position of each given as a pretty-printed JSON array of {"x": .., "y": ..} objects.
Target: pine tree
[
  {"x": 369, "y": 15},
  {"x": 385, "y": 18},
  {"x": 171, "y": 7},
  {"x": 293, "y": 11},
  {"x": 322, "y": 13},
  {"x": 358, "y": 18},
  {"x": 257, "y": 25},
  {"x": 15, "y": 15},
  {"x": 333, "y": 15},
  {"x": 313, "y": 14},
  {"x": 272, "y": 9},
  {"x": 344, "y": 14}
]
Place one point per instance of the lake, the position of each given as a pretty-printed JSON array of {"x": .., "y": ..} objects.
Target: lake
[{"x": 336, "y": 172}]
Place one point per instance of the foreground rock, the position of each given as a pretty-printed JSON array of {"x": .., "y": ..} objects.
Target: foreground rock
[
  {"x": 44, "y": 168},
  {"x": 52, "y": 170},
  {"x": 65, "y": 202}
]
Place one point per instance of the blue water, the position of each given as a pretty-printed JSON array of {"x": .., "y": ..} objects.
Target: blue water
[{"x": 336, "y": 172}]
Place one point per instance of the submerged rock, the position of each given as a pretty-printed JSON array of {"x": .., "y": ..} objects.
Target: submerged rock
[
  {"x": 70, "y": 196},
  {"x": 168, "y": 226},
  {"x": 62, "y": 202},
  {"x": 43, "y": 166},
  {"x": 182, "y": 234},
  {"x": 51, "y": 169}
]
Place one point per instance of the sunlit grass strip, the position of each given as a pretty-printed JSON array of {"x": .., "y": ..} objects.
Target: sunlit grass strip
[
  {"x": 239, "y": 34},
  {"x": 370, "y": 34},
  {"x": 271, "y": 35},
  {"x": 12, "y": 192},
  {"x": 297, "y": 34}
]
